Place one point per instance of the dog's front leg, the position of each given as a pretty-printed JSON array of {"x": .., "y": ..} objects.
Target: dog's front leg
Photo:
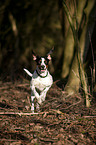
[
  {"x": 32, "y": 100},
  {"x": 34, "y": 92},
  {"x": 33, "y": 95},
  {"x": 43, "y": 95},
  {"x": 42, "y": 98}
]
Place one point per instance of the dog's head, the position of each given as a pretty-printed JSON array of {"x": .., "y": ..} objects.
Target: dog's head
[{"x": 42, "y": 62}]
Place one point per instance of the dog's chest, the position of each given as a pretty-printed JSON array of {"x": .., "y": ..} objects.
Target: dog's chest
[{"x": 41, "y": 83}]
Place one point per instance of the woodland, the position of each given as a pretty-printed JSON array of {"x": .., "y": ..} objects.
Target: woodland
[{"x": 68, "y": 115}]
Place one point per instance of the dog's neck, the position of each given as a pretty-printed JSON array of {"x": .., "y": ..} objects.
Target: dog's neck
[{"x": 40, "y": 73}]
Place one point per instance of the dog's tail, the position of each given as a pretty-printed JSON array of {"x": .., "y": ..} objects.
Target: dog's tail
[{"x": 30, "y": 74}]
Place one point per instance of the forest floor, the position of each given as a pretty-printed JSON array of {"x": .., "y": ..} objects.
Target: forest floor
[{"x": 66, "y": 122}]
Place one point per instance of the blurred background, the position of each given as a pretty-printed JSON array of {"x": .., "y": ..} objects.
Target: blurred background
[{"x": 39, "y": 25}]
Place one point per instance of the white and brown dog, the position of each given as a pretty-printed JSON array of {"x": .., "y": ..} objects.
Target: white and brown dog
[{"x": 41, "y": 79}]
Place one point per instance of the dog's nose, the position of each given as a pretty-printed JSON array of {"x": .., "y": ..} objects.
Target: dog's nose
[{"x": 42, "y": 67}]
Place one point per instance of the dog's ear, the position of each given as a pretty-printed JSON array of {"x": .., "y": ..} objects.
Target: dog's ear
[
  {"x": 34, "y": 56},
  {"x": 49, "y": 54},
  {"x": 49, "y": 57}
]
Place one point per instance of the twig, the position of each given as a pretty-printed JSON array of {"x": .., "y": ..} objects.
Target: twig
[
  {"x": 91, "y": 48},
  {"x": 22, "y": 85},
  {"x": 56, "y": 111},
  {"x": 87, "y": 92},
  {"x": 4, "y": 88},
  {"x": 75, "y": 74},
  {"x": 72, "y": 104},
  {"x": 29, "y": 101},
  {"x": 89, "y": 116},
  {"x": 17, "y": 113},
  {"x": 26, "y": 114},
  {"x": 46, "y": 140},
  {"x": 92, "y": 71},
  {"x": 67, "y": 95},
  {"x": 9, "y": 140}
]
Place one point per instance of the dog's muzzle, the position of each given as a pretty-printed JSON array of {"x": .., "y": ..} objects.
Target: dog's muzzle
[{"x": 42, "y": 68}]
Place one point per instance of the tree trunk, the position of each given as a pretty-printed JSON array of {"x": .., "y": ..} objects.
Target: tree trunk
[
  {"x": 69, "y": 40},
  {"x": 77, "y": 73},
  {"x": 68, "y": 44}
]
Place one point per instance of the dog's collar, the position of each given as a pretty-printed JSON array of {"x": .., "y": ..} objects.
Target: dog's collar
[{"x": 40, "y": 75}]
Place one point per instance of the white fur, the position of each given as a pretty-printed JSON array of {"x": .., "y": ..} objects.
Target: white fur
[
  {"x": 27, "y": 72},
  {"x": 40, "y": 84}
]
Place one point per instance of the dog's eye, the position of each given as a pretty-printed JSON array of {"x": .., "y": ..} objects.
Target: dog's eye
[
  {"x": 46, "y": 62},
  {"x": 39, "y": 61}
]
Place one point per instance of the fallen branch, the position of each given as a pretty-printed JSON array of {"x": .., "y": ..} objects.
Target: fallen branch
[
  {"x": 17, "y": 113},
  {"x": 11, "y": 140},
  {"x": 29, "y": 114}
]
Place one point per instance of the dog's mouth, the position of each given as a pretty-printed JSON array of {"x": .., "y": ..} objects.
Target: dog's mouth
[{"x": 42, "y": 70}]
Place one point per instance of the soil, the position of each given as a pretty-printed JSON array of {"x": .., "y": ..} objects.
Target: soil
[{"x": 59, "y": 122}]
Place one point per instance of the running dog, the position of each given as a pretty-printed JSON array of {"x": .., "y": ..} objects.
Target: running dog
[{"x": 41, "y": 79}]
